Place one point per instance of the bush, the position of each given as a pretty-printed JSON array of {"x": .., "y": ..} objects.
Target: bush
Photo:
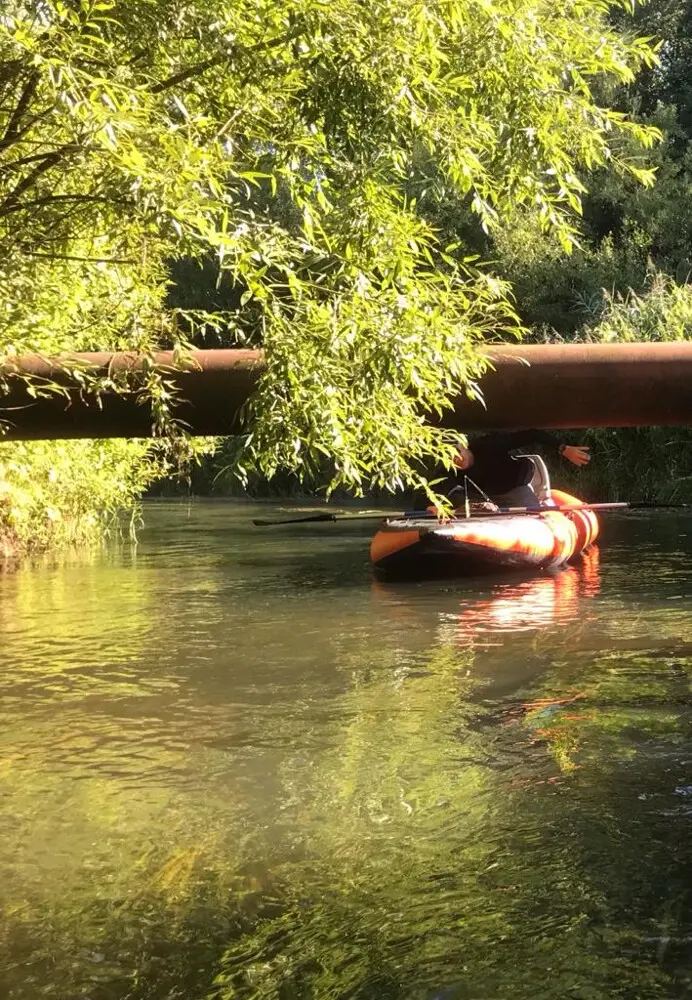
[
  {"x": 663, "y": 313},
  {"x": 61, "y": 493},
  {"x": 557, "y": 292}
]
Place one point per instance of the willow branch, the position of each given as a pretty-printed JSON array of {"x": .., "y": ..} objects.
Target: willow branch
[
  {"x": 13, "y": 131},
  {"x": 49, "y": 199},
  {"x": 50, "y": 161},
  {"x": 200, "y": 68},
  {"x": 88, "y": 260}
]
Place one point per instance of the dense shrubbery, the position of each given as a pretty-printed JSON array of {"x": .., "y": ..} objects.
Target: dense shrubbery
[
  {"x": 557, "y": 293},
  {"x": 58, "y": 493},
  {"x": 334, "y": 217},
  {"x": 307, "y": 149},
  {"x": 662, "y": 311}
]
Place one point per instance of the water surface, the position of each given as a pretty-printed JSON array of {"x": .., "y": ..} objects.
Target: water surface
[{"x": 232, "y": 765}]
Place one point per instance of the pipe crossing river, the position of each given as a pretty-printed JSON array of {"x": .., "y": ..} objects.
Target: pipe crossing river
[{"x": 535, "y": 385}]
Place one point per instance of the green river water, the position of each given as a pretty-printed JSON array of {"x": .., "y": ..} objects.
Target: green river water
[{"x": 235, "y": 767}]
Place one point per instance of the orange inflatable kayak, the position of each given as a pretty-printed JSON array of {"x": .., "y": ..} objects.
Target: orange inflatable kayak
[{"x": 484, "y": 542}]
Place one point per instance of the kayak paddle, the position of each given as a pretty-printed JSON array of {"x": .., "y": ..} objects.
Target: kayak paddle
[
  {"x": 501, "y": 511},
  {"x": 324, "y": 517},
  {"x": 420, "y": 514}
]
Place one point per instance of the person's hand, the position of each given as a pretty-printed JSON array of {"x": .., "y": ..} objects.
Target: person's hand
[
  {"x": 485, "y": 505},
  {"x": 577, "y": 454}
]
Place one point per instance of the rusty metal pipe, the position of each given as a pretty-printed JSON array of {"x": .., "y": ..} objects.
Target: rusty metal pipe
[
  {"x": 584, "y": 385},
  {"x": 213, "y": 387},
  {"x": 544, "y": 385}
]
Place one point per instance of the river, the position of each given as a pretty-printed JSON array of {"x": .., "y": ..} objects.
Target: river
[{"x": 235, "y": 767}]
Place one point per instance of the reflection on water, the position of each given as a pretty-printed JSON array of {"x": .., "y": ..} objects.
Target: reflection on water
[
  {"x": 552, "y": 599},
  {"x": 233, "y": 765}
]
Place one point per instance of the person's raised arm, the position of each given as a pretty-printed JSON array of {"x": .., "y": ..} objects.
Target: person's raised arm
[
  {"x": 529, "y": 437},
  {"x": 577, "y": 454}
]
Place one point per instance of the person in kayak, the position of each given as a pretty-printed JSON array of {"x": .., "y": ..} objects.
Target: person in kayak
[{"x": 488, "y": 469}]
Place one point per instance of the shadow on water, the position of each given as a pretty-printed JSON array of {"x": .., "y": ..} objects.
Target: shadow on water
[{"x": 236, "y": 766}]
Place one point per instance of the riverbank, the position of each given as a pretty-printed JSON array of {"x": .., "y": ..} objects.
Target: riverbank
[{"x": 56, "y": 494}]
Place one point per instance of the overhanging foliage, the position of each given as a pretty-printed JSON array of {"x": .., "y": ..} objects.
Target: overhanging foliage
[{"x": 287, "y": 137}]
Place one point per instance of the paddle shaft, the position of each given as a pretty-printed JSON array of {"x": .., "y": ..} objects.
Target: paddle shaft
[
  {"x": 420, "y": 514},
  {"x": 564, "y": 507},
  {"x": 316, "y": 517}
]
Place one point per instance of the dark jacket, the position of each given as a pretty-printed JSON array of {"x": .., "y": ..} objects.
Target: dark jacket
[{"x": 495, "y": 471}]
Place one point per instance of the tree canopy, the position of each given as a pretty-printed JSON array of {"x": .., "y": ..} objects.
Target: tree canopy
[{"x": 295, "y": 140}]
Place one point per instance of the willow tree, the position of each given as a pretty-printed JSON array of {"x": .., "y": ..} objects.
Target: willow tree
[{"x": 286, "y": 137}]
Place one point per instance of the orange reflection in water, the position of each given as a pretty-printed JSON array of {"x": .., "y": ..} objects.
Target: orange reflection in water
[
  {"x": 532, "y": 604},
  {"x": 520, "y": 605}
]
